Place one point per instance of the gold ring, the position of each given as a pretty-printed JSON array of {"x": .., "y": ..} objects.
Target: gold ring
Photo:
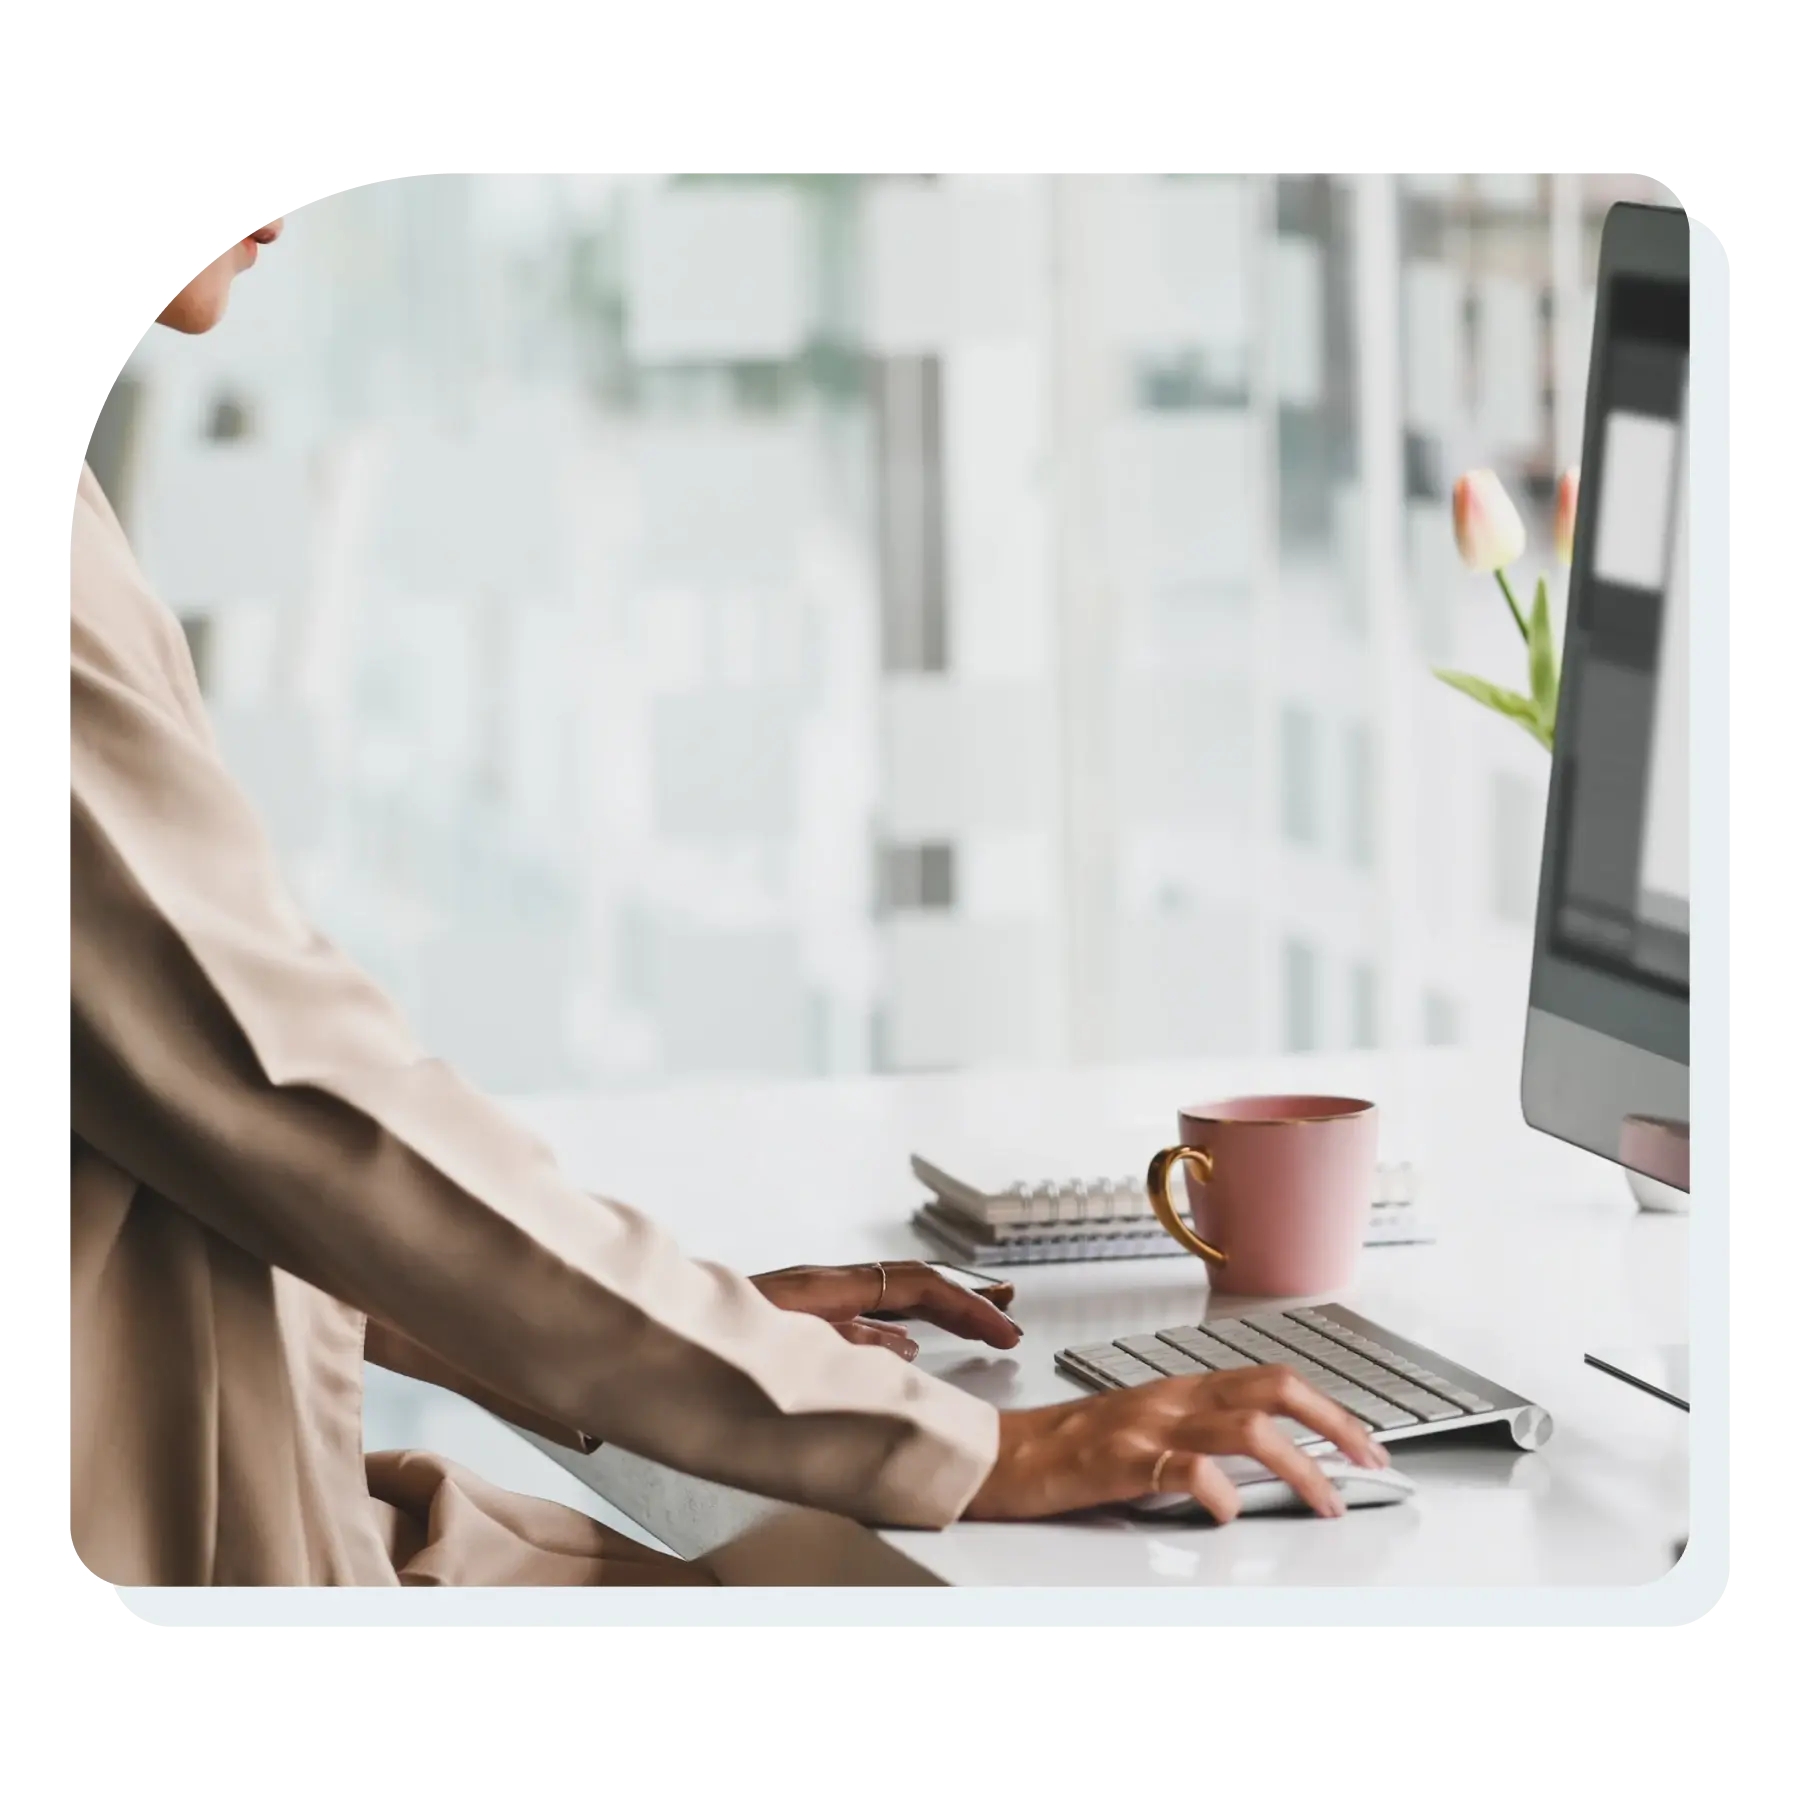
[
  {"x": 881, "y": 1270},
  {"x": 1162, "y": 1462}
]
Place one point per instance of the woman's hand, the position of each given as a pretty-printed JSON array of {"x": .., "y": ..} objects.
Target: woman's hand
[
  {"x": 1161, "y": 1438},
  {"x": 913, "y": 1290}
]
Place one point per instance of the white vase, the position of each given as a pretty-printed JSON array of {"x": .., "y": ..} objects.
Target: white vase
[{"x": 1655, "y": 1196}]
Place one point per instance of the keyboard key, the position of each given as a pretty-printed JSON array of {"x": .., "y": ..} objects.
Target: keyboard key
[
  {"x": 1444, "y": 1386},
  {"x": 1378, "y": 1414},
  {"x": 1196, "y": 1344},
  {"x": 1110, "y": 1367},
  {"x": 1129, "y": 1372},
  {"x": 1283, "y": 1329},
  {"x": 1359, "y": 1402},
  {"x": 1298, "y": 1338},
  {"x": 1111, "y": 1377},
  {"x": 1441, "y": 1385},
  {"x": 1217, "y": 1350},
  {"x": 1431, "y": 1408},
  {"x": 1225, "y": 1328},
  {"x": 1345, "y": 1393},
  {"x": 1426, "y": 1403},
  {"x": 1433, "y": 1383},
  {"x": 1230, "y": 1329},
  {"x": 1356, "y": 1368},
  {"x": 1246, "y": 1340},
  {"x": 1084, "y": 1372},
  {"x": 1160, "y": 1356},
  {"x": 1416, "y": 1400}
]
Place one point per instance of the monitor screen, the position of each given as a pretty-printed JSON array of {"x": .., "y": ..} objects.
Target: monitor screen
[
  {"x": 1621, "y": 878},
  {"x": 1606, "y": 1039}
]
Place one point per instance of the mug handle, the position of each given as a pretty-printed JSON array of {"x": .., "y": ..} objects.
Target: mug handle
[{"x": 1162, "y": 1166}]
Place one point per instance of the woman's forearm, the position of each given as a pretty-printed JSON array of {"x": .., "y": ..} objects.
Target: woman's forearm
[{"x": 394, "y": 1350}]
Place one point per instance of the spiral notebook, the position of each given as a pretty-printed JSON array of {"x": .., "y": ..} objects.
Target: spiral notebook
[{"x": 1079, "y": 1219}]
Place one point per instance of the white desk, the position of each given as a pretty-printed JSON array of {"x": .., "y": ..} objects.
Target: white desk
[{"x": 1540, "y": 1255}]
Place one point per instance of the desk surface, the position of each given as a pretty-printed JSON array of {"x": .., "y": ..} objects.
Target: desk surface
[{"x": 1540, "y": 1255}]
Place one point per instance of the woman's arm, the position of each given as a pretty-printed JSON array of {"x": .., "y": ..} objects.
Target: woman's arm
[
  {"x": 392, "y": 1349},
  {"x": 226, "y": 1054}
]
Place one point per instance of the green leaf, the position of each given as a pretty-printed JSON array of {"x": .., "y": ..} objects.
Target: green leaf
[
  {"x": 1540, "y": 648},
  {"x": 1520, "y": 708}
]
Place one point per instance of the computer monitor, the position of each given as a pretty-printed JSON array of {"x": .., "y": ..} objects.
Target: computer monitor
[{"x": 1606, "y": 1040}]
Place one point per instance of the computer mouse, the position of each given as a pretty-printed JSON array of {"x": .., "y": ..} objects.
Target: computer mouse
[{"x": 1260, "y": 1491}]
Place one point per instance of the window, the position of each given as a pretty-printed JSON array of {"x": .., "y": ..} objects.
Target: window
[
  {"x": 865, "y": 603},
  {"x": 917, "y": 877},
  {"x": 1516, "y": 823},
  {"x": 1300, "y": 996},
  {"x": 1443, "y": 1024},
  {"x": 197, "y": 628},
  {"x": 1299, "y": 777},
  {"x": 1364, "y": 1029},
  {"x": 1359, "y": 795}
]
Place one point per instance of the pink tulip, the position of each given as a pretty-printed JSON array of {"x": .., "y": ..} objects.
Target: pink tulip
[
  {"x": 1566, "y": 491},
  {"x": 1489, "y": 532}
]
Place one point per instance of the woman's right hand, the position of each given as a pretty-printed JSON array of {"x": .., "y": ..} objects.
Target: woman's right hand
[{"x": 1111, "y": 1447}]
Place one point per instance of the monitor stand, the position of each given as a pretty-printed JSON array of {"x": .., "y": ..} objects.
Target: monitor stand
[{"x": 1659, "y": 1369}]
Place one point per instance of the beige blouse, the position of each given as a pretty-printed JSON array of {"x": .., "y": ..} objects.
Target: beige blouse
[{"x": 269, "y": 1180}]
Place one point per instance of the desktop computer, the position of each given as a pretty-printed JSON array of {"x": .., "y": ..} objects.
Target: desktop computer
[{"x": 1606, "y": 1043}]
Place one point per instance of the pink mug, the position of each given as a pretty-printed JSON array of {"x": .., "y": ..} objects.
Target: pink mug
[{"x": 1279, "y": 1188}]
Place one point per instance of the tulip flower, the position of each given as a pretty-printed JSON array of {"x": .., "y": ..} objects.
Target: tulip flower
[
  {"x": 1490, "y": 536},
  {"x": 1566, "y": 492},
  {"x": 1489, "y": 532}
]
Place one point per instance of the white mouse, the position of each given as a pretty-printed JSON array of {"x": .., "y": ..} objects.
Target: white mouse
[{"x": 1262, "y": 1491}]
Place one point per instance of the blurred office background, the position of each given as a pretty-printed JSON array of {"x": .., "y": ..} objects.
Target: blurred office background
[{"x": 796, "y": 626}]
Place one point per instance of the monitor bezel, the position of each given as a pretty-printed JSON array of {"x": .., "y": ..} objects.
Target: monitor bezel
[{"x": 1652, "y": 242}]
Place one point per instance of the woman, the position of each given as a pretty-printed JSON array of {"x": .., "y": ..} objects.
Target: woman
[{"x": 269, "y": 1183}]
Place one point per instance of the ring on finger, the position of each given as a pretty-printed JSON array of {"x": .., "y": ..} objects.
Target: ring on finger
[
  {"x": 881, "y": 1270},
  {"x": 1156, "y": 1474}
]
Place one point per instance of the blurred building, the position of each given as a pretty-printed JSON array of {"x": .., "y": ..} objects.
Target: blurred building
[{"x": 808, "y": 625}]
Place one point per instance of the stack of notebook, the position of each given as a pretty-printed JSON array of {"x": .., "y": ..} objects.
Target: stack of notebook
[{"x": 981, "y": 1223}]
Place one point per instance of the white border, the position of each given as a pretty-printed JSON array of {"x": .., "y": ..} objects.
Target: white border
[{"x": 1689, "y": 1593}]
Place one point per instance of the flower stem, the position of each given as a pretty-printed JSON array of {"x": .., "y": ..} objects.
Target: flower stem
[{"x": 1518, "y": 617}]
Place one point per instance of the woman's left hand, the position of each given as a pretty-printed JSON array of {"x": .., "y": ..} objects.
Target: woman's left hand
[{"x": 913, "y": 1290}]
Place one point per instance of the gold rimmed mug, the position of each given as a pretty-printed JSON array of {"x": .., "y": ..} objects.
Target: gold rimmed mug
[{"x": 1279, "y": 1190}]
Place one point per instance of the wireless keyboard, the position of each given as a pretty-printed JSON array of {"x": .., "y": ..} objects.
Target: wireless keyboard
[{"x": 1397, "y": 1388}]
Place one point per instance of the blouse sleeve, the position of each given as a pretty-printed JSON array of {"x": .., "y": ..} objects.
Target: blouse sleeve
[{"x": 232, "y": 1058}]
